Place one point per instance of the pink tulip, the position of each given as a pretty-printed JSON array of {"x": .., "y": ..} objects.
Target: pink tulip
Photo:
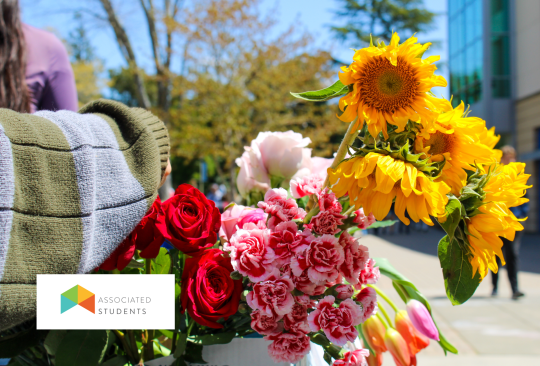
[{"x": 422, "y": 320}]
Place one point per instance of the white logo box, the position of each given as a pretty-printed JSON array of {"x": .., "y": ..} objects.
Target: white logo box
[{"x": 136, "y": 302}]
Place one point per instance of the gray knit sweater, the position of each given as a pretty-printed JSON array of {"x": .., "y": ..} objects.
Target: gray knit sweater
[{"x": 72, "y": 187}]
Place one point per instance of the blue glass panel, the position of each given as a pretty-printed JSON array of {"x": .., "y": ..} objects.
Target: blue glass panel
[
  {"x": 470, "y": 23},
  {"x": 478, "y": 21},
  {"x": 499, "y": 15},
  {"x": 478, "y": 59}
]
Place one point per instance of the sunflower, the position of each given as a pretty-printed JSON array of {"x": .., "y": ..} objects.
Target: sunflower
[
  {"x": 390, "y": 84},
  {"x": 460, "y": 142},
  {"x": 504, "y": 189},
  {"x": 373, "y": 181}
]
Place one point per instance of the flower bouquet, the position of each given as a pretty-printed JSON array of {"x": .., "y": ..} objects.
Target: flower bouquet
[{"x": 291, "y": 268}]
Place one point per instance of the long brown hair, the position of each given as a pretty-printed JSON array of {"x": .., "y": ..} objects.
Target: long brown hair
[{"x": 14, "y": 93}]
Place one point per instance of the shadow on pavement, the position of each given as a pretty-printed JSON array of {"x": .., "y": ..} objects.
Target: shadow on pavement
[{"x": 426, "y": 242}]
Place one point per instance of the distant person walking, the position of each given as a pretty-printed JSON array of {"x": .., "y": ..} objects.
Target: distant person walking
[
  {"x": 35, "y": 72},
  {"x": 510, "y": 249}
]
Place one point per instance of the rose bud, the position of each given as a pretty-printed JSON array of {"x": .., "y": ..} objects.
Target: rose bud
[
  {"x": 374, "y": 331},
  {"x": 422, "y": 320},
  {"x": 397, "y": 347}
]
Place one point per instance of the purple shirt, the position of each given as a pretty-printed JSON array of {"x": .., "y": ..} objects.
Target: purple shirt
[{"x": 49, "y": 75}]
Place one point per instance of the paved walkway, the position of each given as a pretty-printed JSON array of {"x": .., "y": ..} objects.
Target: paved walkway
[{"x": 485, "y": 330}]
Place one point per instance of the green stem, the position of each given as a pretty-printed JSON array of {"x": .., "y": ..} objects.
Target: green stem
[
  {"x": 383, "y": 310},
  {"x": 382, "y": 320},
  {"x": 125, "y": 344},
  {"x": 385, "y": 297},
  {"x": 191, "y": 324},
  {"x": 148, "y": 265},
  {"x": 134, "y": 348},
  {"x": 349, "y": 211}
]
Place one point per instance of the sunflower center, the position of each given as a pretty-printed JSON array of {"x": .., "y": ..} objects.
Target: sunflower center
[
  {"x": 439, "y": 143},
  {"x": 387, "y": 87}
]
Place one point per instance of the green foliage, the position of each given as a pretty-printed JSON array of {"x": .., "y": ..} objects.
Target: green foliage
[
  {"x": 116, "y": 361},
  {"x": 459, "y": 281},
  {"x": 363, "y": 19},
  {"x": 82, "y": 347},
  {"x": 14, "y": 344},
  {"x": 217, "y": 338},
  {"x": 335, "y": 90},
  {"x": 162, "y": 263}
]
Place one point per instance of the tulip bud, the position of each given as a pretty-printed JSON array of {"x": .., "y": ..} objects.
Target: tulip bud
[
  {"x": 374, "y": 360},
  {"x": 422, "y": 320},
  {"x": 414, "y": 339},
  {"x": 397, "y": 347},
  {"x": 373, "y": 330}
]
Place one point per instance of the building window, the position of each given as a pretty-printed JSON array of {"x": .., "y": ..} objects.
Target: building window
[
  {"x": 500, "y": 49},
  {"x": 466, "y": 53}
]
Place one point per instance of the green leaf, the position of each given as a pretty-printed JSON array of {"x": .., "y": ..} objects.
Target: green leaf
[
  {"x": 458, "y": 276},
  {"x": 335, "y": 90},
  {"x": 453, "y": 216},
  {"x": 12, "y": 345},
  {"x": 177, "y": 291},
  {"x": 82, "y": 348},
  {"x": 53, "y": 340},
  {"x": 134, "y": 264},
  {"x": 116, "y": 361},
  {"x": 375, "y": 225},
  {"x": 209, "y": 339},
  {"x": 180, "y": 345},
  {"x": 302, "y": 202},
  {"x": 162, "y": 263},
  {"x": 167, "y": 333},
  {"x": 194, "y": 353}
]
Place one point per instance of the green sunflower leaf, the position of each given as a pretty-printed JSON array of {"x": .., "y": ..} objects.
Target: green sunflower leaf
[
  {"x": 453, "y": 216},
  {"x": 459, "y": 281},
  {"x": 335, "y": 90}
]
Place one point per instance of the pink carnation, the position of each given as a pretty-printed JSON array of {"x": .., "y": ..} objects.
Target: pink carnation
[
  {"x": 338, "y": 323},
  {"x": 288, "y": 347},
  {"x": 310, "y": 184},
  {"x": 356, "y": 256},
  {"x": 368, "y": 298},
  {"x": 320, "y": 259},
  {"x": 286, "y": 240},
  {"x": 369, "y": 275},
  {"x": 344, "y": 292},
  {"x": 353, "y": 358},
  {"x": 282, "y": 209},
  {"x": 362, "y": 220},
  {"x": 250, "y": 253},
  {"x": 296, "y": 320},
  {"x": 326, "y": 222},
  {"x": 272, "y": 296},
  {"x": 305, "y": 300},
  {"x": 304, "y": 284},
  {"x": 265, "y": 324},
  {"x": 329, "y": 202}
]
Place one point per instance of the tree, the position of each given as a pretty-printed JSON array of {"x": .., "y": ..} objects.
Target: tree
[
  {"x": 231, "y": 78},
  {"x": 379, "y": 18},
  {"x": 86, "y": 66}
]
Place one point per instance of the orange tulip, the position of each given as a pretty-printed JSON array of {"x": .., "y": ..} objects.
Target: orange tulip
[
  {"x": 398, "y": 347},
  {"x": 374, "y": 330},
  {"x": 414, "y": 339},
  {"x": 373, "y": 360}
]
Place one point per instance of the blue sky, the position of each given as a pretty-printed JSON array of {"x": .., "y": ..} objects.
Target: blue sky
[{"x": 314, "y": 15}]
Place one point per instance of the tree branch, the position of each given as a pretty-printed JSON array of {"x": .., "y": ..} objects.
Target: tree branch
[{"x": 127, "y": 52}]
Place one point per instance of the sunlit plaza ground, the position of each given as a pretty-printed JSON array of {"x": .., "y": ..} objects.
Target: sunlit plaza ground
[{"x": 485, "y": 330}]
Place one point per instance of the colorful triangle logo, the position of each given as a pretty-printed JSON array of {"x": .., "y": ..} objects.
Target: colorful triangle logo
[{"x": 77, "y": 295}]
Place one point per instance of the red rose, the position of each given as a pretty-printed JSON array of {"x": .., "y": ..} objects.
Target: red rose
[
  {"x": 208, "y": 292},
  {"x": 147, "y": 235},
  {"x": 191, "y": 220},
  {"x": 121, "y": 256}
]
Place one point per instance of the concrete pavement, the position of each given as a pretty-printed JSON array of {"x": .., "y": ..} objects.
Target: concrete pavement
[{"x": 485, "y": 330}]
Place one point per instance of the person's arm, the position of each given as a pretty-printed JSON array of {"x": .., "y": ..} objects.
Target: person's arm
[
  {"x": 60, "y": 92},
  {"x": 72, "y": 187}
]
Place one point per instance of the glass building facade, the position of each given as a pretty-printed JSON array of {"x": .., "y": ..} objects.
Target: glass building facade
[{"x": 466, "y": 49}]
